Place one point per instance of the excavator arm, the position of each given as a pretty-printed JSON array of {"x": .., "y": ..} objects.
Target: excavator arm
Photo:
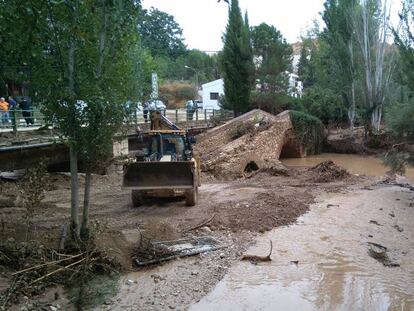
[{"x": 160, "y": 122}]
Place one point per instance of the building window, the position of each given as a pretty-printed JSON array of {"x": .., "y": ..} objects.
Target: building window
[{"x": 214, "y": 96}]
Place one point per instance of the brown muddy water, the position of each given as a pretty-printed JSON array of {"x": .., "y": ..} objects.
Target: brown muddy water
[
  {"x": 323, "y": 263},
  {"x": 356, "y": 164}
]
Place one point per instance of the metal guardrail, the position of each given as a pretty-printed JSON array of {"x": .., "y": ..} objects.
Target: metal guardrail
[
  {"x": 183, "y": 115},
  {"x": 18, "y": 120}
]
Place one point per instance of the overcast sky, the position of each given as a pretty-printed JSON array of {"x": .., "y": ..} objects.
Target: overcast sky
[{"x": 204, "y": 21}]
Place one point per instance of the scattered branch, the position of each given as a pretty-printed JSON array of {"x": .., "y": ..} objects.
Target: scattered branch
[{"x": 200, "y": 225}]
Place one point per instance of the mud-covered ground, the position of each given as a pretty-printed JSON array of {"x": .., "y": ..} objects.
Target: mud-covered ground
[{"x": 242, "y": 209}]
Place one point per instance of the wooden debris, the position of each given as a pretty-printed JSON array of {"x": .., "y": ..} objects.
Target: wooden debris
[{"x": 255, "y": 258}]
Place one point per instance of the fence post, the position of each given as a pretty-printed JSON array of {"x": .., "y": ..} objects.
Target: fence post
[
  {"x": 214, "y": 113},
  {"x": 14, "y": 121},
  {"x": 176, "y": 116},
  {"x": 205, "y": 115},
  {"x": 196, "y": 114}
]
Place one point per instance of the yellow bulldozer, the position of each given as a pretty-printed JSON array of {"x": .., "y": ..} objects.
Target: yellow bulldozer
[{"x": 167, "y": 167}]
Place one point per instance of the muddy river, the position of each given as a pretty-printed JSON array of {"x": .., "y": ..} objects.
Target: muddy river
[
  {"x": 323, "y": 262},
  {"x": 356, "y": 164}
]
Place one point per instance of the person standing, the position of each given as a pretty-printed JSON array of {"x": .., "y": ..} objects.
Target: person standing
[
  {"x": 145, "y": 111},
  {"x": 12, "y": 110},
  {"x": 4, "y": 111},
  {"x": 190, "y": 109},
  {"x": 26, "y": 112}
]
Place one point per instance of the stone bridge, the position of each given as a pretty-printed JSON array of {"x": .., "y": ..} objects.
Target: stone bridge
[{"x": 247, "y": 143}]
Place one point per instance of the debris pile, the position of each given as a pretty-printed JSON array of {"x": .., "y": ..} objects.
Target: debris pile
[
  {"x": 328, "y": 171},
  {"x": 161, "y": 251},
  {"x": 248, "y": 143},
  {"x": 380, "y": 253}
]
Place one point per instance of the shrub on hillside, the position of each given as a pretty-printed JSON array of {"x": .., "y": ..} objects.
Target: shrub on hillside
[
  {"x": 273, "y": 102},
  {"x": 175, "y": 94}
]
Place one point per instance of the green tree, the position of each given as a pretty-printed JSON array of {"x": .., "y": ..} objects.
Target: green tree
[
  {"x": 400, "y": 117},
  {"x": 405, "y": 41},
  {"x": 325, "y": 104},
  {"x": 339, "y": 36},
  {"x": 235, "y": 62},
  {"x": 20, "y": 30},
  {"x": 370, "y": 23},
  {"x": 83, "y": 60},
  {"x": 161, "y": 34},
  {"x": 306, "y": 64},
  {"x": 274, "y": 59},
  {"x": 248, "y": 40},
  {"x": 205, "y": 66}
]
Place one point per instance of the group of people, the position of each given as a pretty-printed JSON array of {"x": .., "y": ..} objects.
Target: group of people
[{"x": 8, "y": 109}]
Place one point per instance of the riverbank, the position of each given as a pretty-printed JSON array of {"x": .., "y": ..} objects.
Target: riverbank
[{"x": 352, "y": 251}]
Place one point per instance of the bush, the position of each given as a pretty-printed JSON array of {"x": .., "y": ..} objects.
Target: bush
[
  {"x": 241, "y": 130},
  {"x": 325, "y": 105},
  {"x": 176, "y": 94},
  {"x": 310, "y": 131},
  {"x": 400, "y": 120},
  {"x": 273, "y": 102}
]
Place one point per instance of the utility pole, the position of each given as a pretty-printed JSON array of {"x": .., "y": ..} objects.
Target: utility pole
[{"x": 196, "y": 75}]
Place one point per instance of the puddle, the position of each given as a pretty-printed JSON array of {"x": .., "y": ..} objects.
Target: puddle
[
  {"x": 324, "y": 263},
  {"x": 356, "y": 164}
]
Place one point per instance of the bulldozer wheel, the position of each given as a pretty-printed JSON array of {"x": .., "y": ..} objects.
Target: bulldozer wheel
[
  {"x": 191, "y": 196},
  {"x": 137, "y": 198}
]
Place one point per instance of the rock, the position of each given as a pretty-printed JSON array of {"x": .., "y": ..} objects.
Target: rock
[
  {"x": 53, "y": 308},
  {"x": 398, "y": 228},
  {"x": 206, "y": 229},
  {"x": 129, "y": 282},
  {"x": 195, "y": 272},
  {"x": 222, "y": 255}
]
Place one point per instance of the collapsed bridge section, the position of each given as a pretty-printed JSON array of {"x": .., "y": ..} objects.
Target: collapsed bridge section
[{"x": 248, "y": 143}]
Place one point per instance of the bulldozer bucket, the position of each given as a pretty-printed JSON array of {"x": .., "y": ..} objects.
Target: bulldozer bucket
[{"x": 159, "y": 175}]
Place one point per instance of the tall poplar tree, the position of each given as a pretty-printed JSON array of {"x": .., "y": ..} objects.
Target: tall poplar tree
[{"x": 341, "y": 42}]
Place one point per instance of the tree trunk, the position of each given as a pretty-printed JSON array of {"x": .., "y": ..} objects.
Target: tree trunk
[
  {"x": 74, "y": 206},
  {"x": 102, "y": 39},
  {"x": 71, "y": 68},
  {"x": 85, "y": 216},
  {"x": 351, "y": 111},
  {"x": 74, "y": 210}
]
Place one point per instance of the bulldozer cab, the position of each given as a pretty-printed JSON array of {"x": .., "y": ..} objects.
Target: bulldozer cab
[{"x": 168, "y": 147}]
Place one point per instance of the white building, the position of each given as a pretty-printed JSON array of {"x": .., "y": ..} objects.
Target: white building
[
  {"x": 295, "y": 85},
  {"x": 211, "y": 94}
]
